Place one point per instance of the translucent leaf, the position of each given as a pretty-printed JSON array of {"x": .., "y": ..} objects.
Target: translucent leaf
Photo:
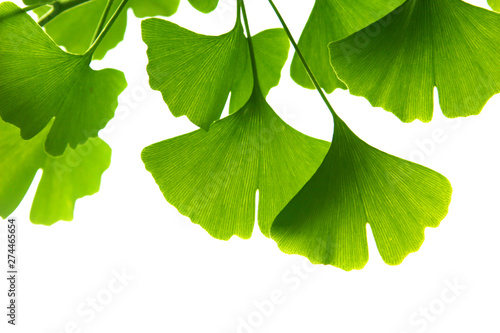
[
  {"x": 65, "y": 179},
  {"x": 212, "y": 177},
  {"x": 355, "y": 185},
  {"x": 331, "y": 20},
  {"x": 195, "y": 73},
  {"x": 271, "y": 49},
  {"x": 204, "y": 6},
  {"x": 40, "y": 82},
  {"x": 396, "y": 62},
  {"x": 75, "y": 28},
  {"x": 495, "y": 4},
  {"x": 145, "y": 8}
]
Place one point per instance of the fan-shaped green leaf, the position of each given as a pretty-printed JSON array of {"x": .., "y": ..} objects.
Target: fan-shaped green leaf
[
  {"x": 195, "y": 73},
  {"x": 75, "y": 28},
  {"x": 204, "y": 6},
  {"x": 331, "y": 20},
  {"x": 396, "y": 62},
  {"x": 355, "y": 185},
  {"x": 65, "y": 179},
  {"x": 212, "y": 177},
  {"x": 40, "y": 82}
]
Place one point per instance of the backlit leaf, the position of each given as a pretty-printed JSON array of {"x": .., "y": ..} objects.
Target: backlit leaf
[
  {"x": 271, "y": 49},
  {"x": 146, "y": 8},
  {"x": 40, "y": 82},
  {"x": 495, "y": 4},
  {"x": 195, "y": 73},
  {"x": 204, "y": 6},
  {"x": 355, "y": 185},
  {"x": 75, "y": 28},
  {"x": 212, "y": 177},
  {"x": 331, "y": 20},
  {"x": 396, "y": 62},
  {"x": 65, "y": 179}
]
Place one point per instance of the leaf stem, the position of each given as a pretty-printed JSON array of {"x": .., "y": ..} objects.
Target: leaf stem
[
  {"x": 241, "y": 4},
  {"x": 238, "y": 12},
  {"x": 102, "y": 22},
  {"x": 33, "y": 7},
  {"x": 303, "y": 60},
  {"x": 59, "y": 7},
  {"x": 106, "y": 29},
  {"x": 50, "y": 15}
]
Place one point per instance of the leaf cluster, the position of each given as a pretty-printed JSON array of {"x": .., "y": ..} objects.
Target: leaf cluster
[{"x": 315, "y": 197}]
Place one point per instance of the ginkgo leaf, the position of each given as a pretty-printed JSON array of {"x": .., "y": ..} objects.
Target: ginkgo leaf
[
  {"x": 331, "y": 20},
  {"x": 195, "y": 73},
  {"x": 495, "y": 4},
  {"x": 447, "y": 44},
  {"x": 75, "y": 28},
  {"x": 40, "y": 82},
  {"x": 65, "y": 179},
  {"x": 146, "y": 8},
  {"x": 271, "y": 49},
  {"x": 204, "y": 6},
  {"x": 212, "y": 177},
  {"x": 357, "y": 184}
]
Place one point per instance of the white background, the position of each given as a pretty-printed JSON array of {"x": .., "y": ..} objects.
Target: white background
[{"x": 186, "y": 281}]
